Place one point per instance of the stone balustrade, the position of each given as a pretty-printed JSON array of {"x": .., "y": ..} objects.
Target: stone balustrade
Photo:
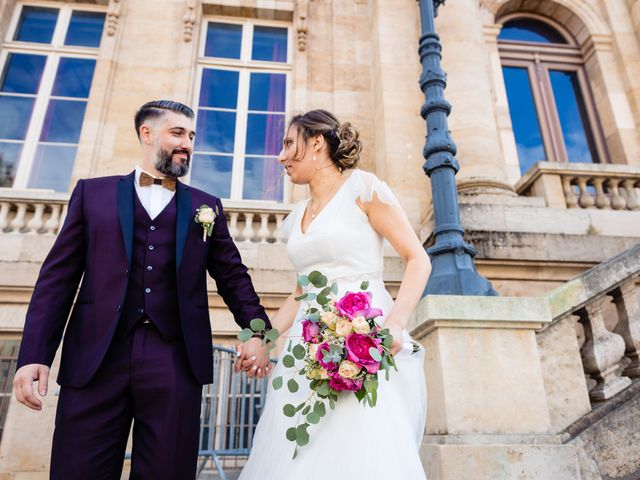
[
  {"x": 38, "y": 212},
  {"x": 609, "y": 337},
  {"x": 583, "y": 185}
]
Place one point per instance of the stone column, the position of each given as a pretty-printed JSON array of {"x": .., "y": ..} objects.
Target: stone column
[
  {"x": 466, "y": 60},
  {"x": 487, "y": 415}
]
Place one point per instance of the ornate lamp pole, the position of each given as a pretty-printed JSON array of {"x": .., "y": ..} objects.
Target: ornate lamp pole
[{"x": 453, "y": 271}]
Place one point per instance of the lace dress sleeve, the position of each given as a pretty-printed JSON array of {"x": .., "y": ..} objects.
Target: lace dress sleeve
[{"x": 366, "y": 184}]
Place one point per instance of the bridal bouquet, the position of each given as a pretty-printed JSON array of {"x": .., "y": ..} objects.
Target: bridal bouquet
[{"x": 342, "y": 349}]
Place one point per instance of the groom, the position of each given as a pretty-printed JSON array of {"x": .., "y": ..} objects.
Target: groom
[{"x": 137, "y": 346}]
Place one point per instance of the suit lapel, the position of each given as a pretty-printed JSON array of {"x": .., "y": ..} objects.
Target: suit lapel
[
  {"x": 183, "y": 218},
  {"x": 126, "y": 213}
]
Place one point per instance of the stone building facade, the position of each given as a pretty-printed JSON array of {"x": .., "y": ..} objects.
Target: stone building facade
[{"x": 546, "y": 104}]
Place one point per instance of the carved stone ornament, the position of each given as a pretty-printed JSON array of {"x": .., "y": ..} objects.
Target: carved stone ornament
[
  {"x": 302, "y": 14},
  {"x": 190, "y": 17},
  {"x": 114, "y": 10}
]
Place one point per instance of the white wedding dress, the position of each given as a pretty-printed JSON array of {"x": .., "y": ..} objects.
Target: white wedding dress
[{"x": 352, "y": 441}]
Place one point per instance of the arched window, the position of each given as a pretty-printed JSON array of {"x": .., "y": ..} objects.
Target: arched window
[{"x": 552, "y": 112}]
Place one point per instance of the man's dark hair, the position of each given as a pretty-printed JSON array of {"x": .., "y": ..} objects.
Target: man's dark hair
[{"x": 156, "y": 109}]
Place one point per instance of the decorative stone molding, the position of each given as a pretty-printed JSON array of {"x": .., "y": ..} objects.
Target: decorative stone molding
[
  {"x": 302, "y": 14},
  {"x": 114, "y": 11},
  {"x": 480, "y": 185},
  {"x": 190, "y": 18}
]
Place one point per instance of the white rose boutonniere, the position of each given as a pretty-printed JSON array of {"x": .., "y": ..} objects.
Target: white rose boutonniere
[{"x": 206, "y": 216}]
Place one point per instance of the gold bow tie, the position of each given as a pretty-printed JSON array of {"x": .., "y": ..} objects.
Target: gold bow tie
[{"x": 166, "y": 182}]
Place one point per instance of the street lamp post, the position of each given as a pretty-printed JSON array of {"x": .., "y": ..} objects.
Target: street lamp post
[{"x": 453, "y": 271}]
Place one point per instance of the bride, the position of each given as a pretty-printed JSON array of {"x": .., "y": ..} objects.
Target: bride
[{"x": 340, "y": 232}]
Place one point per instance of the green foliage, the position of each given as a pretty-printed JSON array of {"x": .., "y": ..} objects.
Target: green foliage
[
  {"x": 317, "y": 279},
  {"x": 257, "y": 325},
  {"x": 292, "y": 385},
  {"x": 288, "y": 361},
  {"x": 313, "y": 418},
  {"x": 364, "y": 285},
  {"x": 375, "y": 354},
  {"x": 277, "y": 383},
  {"x": 302, "y": 436},
  {"x": 301, "y": 297},
  {"x": 245, "y": 334},
  {"x": 291, "y": 434},
  {"x": 299, "y": 352},
  {"x": 303, "y": 280},
  {"x": 289, "y": 410}
]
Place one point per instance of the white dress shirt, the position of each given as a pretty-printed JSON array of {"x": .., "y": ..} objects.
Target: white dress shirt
[{"x": 154, "y": 198}]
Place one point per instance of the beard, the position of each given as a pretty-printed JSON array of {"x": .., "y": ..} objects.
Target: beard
[{"x": 164, "y": 163}]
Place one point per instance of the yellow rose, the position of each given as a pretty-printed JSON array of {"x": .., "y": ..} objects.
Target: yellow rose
[
  {"x": 360, "y": 325},
  {"x": 348, "y": 369},
  {"x": 343, "y": 327},
  {"x": 313, "y": 350},
  {"x": 206, "y": 215},
  {"x": 329, "y": 319}
]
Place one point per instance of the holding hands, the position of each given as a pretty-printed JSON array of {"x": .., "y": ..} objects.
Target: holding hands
[{"x": 253, "y": 354}]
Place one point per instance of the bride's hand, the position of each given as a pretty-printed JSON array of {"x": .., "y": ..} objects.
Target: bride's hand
[{"x": 396, "y": 332}]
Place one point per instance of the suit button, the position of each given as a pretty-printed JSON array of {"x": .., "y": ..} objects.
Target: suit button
[
  {"x": 149, "y": 268},
  {"x": 126, "y": 272},
  {"x": 141, "y": 311},
  {"x": 119, "y": 307},
  {"x": 147, "y": 290},
  {"x": 151, "y": 247},
  {"x": 152, "y": 228}
]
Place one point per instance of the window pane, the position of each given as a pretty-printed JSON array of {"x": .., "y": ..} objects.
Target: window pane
[
  {"x": 63, "y": 121},
  {"x": 267, "y": 92},
  {"x": 23, "y": 73},
  {"x": 36, "y": 24},
  {"x": 269, "y": 44},
  {"x": 73, "y": 78},
  {"x": 529, "y": 30},
  {"x": 15, "y": 113},
  {"x": 216, "y": 131},
  {"x": 264, "y": 134},
  {"x": 52, "y": 167},
  {"x": 219, "y": 88},
  {"x": 578, "y": 138},
  {"x": 524, "y": 118},
  {"x": 223, "y": 40},
  {"x": 262, "y": 179},
  {"x": 9, "y": 158},
  {"x": 85, "y": 29},
  {"x": 212, "y": 173}
]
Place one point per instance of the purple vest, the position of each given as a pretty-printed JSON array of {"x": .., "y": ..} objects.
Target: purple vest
[{"x": 152, "y": 290}]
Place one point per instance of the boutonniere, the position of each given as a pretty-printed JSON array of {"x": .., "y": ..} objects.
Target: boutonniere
[{"x": 206, "y": 216}]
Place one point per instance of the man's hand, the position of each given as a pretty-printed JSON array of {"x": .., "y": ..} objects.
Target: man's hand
[
  {"x": 253, "y": 358},
  {"x": 23, "y": 384}
]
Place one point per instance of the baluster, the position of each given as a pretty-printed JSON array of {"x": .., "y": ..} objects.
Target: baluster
[
  {"x": 279, "y": 220},
  {"x": 601, "y": 352},
  {"x": 628, "y": 326},
  {"x": 233, "y": 225},
  {"x": 633, "y": 202},
  {"x": 51, "y": 225},
  {"x": 601, "y": 199},
  {"x": 617, "y": 202},
  {"x": 247, "y": 233},
  {"x": 17, "y": 224},
  {"x": 586, "y": 200},
  {"x": 35, "y": 224},
  {"x": 4, "y": 215},
  {"x": 263, "y": 231},
  {"x": 63, "y": 216},
  {"x": 569, "y": 195}
]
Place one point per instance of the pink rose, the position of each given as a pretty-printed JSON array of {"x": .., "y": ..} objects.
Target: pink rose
[
  {"x": 310, "y": 331},
  {"x": 356, "y": 304},
  {"x": 358, "y": 346},
  {"x": 339, "y": 384},
  {"x": 330, "y": 366}
]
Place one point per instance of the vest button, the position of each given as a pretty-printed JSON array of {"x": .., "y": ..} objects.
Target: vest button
[
  {"x": 147, "y": 290},
  {"x": 151, "y": 247},
  {"x": 149, "y": 268},
  {"x": 141, "y": 311},
  {"x": 152, "y": 228},
  {"x": 119, "y": 307}
]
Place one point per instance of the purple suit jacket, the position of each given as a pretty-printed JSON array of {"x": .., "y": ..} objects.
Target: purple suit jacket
[{"x": 96, "y": 244}]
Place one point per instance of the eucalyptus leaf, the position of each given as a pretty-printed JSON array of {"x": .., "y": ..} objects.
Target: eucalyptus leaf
[
  {"x": 257, "y": 325},
  {"x": 334, "y": 288},
  {"x": 288, "y": 361},
  {"x": 332, "y": 403},
  {"x": 320, "y": 409},
  {"x": 299, "y": 352},
  {"x": 289, "y": 346},
  {"x": 292, "y": 385},
  {"x": 277, "y": 383},
  {"x": 306, "y": 409},
  {"x": 322, "y": 300},
  {"x": 303, "y": 280},
  {"x": 311, "y": 296},
  {"x": 388, "y": 341},
  {"x": 313, "y": 418},
  {"x": 325, "y": 292},
  {"x": 323, "y": 389},
  {"x": 364, "y": 285},
  {"x": 272, "y": 335},
  {"x": 375, "y": 354},
  {"x": 317, "y": 279},
  {"x": 302, "y": 436},
  {"x": 289, "y": 410},
  {"x": 291, "y": 434},
  {"x": 295, "y": 453},
  {"x": 245, "y": 334},
  {"x": 301, "y": 297}
]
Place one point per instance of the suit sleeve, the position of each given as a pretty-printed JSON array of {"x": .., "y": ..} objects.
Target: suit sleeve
[
  {"x": 232, "y": 279},
  {"x": 55, "y": 288}
]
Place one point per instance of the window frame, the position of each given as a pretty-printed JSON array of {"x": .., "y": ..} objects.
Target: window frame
[
  {"x": 54, "y": 51},
  {"x": 539, "y": 58},
  {"x": 244, "y": 66}
]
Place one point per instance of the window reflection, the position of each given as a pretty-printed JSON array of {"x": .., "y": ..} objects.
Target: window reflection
[{"x": 36, "y": 24}]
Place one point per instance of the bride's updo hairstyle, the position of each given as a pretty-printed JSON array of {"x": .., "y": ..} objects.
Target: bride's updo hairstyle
[{"x": 343, "y": 140}]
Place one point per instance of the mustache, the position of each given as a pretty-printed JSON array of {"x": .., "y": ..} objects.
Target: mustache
[{"x": 182, "y": 150}]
